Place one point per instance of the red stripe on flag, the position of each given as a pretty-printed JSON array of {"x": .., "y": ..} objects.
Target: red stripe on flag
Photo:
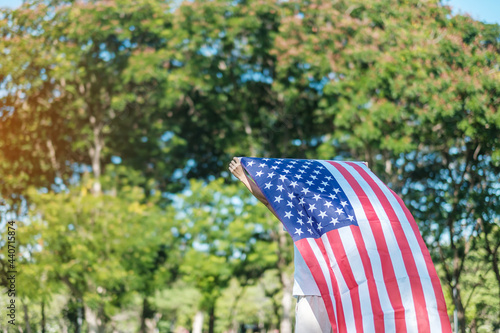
[
  {"x": 336, "y": 292},
  {"x": 436, "y": 284},
  {"x": 387, "y": 268},
  {"x": 408, "y": 259},
  {"x": 345, "y": 268},
  {"x": 378, "y": 313},
  {"x": 314, "y": 266}
]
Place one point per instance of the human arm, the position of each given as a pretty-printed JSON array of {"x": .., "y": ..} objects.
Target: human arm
[{"x": 237, "y": 170}]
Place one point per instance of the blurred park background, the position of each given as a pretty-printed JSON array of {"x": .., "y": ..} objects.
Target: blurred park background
[{"x": 118, "y": 120}]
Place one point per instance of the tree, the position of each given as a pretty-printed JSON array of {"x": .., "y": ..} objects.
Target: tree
[
  {"x": 68, "y": 103},
  {"x": 103, "y": 248},
  {"x": 173, "y": 90},
  {"x": 410, "y": 91},
  {"x": 229, "y": 238}
]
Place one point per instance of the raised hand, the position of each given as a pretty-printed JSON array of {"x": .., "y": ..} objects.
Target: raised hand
[{"x": 236, "y": 169}]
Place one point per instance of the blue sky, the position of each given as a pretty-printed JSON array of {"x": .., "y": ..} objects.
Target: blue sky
[{"x": 484, "y": 10}]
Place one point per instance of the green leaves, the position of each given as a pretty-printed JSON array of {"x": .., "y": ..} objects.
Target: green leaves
[
  {"x": 101, "y": 248},
  {"x": 227, "y": 232},
  {"x": 143, "y": 97}
]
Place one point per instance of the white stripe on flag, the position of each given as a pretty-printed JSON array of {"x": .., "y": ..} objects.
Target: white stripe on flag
[
  {"x": 324, "y": 269},
  {"x": 356, "y": 265},
  {"x": 394, "y": 250},
  {"x": 371, "y": 247},
  {"x": 430, "y": 297},
  {"x": 344, "y": 290}
]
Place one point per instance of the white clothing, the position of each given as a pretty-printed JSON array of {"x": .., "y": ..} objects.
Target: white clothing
[
  {"x": 311, "y": 315},
  {"x": 303, "y": 281},
  {"x": 310, "y": 311}
]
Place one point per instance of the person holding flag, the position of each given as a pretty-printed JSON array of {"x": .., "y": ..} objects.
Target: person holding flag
[
  {"x": 361, "y": 264},
  {"x": 310, "y": 313}
]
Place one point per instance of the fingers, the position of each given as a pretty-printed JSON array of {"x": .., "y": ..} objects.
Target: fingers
[{"x": 234, "y": 164}]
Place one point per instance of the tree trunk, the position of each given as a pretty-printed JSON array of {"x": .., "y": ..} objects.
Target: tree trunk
[
  {"x": 233, "y": 312},
  {"x": 145, "y": 314},
  {"x": 26, "y": 318},
  {"x": 286, "y": 282},
  {"x": 152, "y": 323},
  {"x": 492, "y": 250},
  {"x": 198, "y": 322},
  {"x": 62, "y": 325},
  {"x": 211, "y": 318},
  {"x": 91, "y": 319},
  {"x": 496, "y": 269},
  {"x": 79, "y": 315},
  {"x": 459, "y": 307},
  {"x": 95, "y": 154},
  {"x": 149, "y": 317},
  {"x": 286, "y": 301},
  {"x": 43, "y": 317},
  {"x": 79, "y": 303}
]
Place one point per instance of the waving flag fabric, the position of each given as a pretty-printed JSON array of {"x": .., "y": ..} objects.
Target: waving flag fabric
[{"x": 360, "y": 242}]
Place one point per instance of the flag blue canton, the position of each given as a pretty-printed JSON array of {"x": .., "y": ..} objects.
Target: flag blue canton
[{"x": 303, "y": 193}]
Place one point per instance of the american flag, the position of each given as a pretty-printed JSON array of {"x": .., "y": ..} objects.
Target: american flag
[{"x": 360, "y": 242}]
